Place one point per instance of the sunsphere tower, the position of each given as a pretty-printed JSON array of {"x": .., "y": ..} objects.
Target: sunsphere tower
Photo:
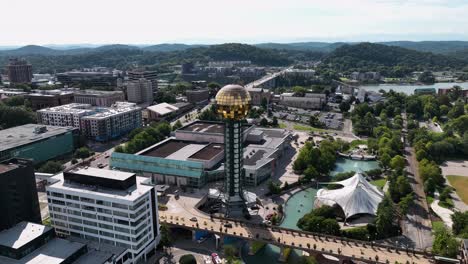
[{"x": 233, "y": 104}]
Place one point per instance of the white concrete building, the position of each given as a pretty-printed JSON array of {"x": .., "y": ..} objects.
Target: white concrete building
[
  {"x": 108, "y": 207},
  {"x": 140, "y": 91}
]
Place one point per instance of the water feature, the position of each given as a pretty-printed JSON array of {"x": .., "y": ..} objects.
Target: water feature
[
  {"x": 345, "y": 165},
  {"x": 296, "y": 207},
  {"x": 409, "y": 88}
]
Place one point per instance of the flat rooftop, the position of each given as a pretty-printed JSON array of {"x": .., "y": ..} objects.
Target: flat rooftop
[
  {"x": 131, "y": 194},
  {"x": 204, "y": 127},
  {"x": 183, "y": 150},
  {"x": 21, "y": 234},
  {"x": 25, "y": 134},
  {"x": 102, "y": 173},
  {"x": 56, "y": 251}
]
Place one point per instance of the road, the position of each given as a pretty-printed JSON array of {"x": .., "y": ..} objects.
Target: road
[
  {"x": 295, "y": 239},
  {"x": 417, "y": 226},
  {"x": 266, "y": 78}
]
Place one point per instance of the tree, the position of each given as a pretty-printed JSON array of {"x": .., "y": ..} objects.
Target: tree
[
  {"x": 274, "y": 188},
  {"x": 177, "y": 125},
  {"x": 82, "y": 153},
  {"x": 445, "y": 243},
  {"x": 398, "y": 163},
  {"x": 307, "y": 260},
  {"x": 405, "y": 203},
  {"x": 426, "y": 77},
  {"x": 311, "y": 173},
  {"x": 457, "y": 110},
  {"x": 264, "y": 122},
  {"x": 385, "y": 160},
  {"x": 274, "y": 122},
  {"x": 460, "y": 224},
  {"x": 264, "y": 103},
  {"x": 119, "y": 149},
  {"x": 52, "y": 167},
  {"x": 166, "y": 238},
  {"x": 445, "y": 194},
  {"x": 187, "y": 259},
  {"x": 344, "y": 106},
  {"x": 385, "y": 217},
  {"x": 230, "y": 252}
]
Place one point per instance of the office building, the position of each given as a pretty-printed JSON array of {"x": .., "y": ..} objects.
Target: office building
[
  {"x": 39, "y": 143},
  {"x": 138, "y": 74},
  {"x": 88, "y": 78},
  {"x": 199, "y": 96},
  {"x": 140, "y": 91},
  {"x": 108, "y": 207},
  {"x": 18, "y": 194},
  {"x": 97, "y": 123},
  {"x": 49, "y": 98},
  {"x": 33, "y": 243},
  {"x": 99, "y": 98},
  {"x": 19, "y": 71}
]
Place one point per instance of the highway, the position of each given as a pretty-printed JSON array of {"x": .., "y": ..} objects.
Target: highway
[{"x": 296, "y": 239}]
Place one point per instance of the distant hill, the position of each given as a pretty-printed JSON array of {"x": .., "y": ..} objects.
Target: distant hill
[
  {"x": 115, "y": 47},
  {"x": 442, "y": 47},
  {"x": 460, "y": 54},
  {"x": 170, "y": 47},
  {"x": 391, "y": 61}
]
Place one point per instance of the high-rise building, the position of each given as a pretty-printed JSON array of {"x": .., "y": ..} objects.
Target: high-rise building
[
  {"x": 19, "y": 71},
  {"x": 18, "y": 194},
  {"x": 233, "y": 104},
  {"x": 140, "y": 91},
  {"x": 136, "y": 75},
  {"x": 108, "y": 207}
]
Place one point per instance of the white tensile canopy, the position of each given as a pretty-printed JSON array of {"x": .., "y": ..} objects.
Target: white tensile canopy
[{"x": 357, "y": 196}]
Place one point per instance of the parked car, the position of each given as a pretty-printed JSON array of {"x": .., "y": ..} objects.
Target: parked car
[{"x": 193, "y": 219}]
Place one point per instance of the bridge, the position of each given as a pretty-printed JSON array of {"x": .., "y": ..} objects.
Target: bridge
[
  {"x": 342, "y": 248},
  {"x": 267, "y": 81}
]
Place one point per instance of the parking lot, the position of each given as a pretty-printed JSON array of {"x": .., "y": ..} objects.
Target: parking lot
[{"x": 331, "y": 120}]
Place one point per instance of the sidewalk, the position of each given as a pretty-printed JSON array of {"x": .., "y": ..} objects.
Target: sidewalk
[{"x": 444, "y": 213}]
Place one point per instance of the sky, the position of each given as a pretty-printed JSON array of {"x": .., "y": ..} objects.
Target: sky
[{"x": 43, "y": 22}]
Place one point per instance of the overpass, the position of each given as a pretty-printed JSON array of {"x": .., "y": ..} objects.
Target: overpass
[
  {"x": 268, "y": 81},
  {"x": 342, "y": 248}
]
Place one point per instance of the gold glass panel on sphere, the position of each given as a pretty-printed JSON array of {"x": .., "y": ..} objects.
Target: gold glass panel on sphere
[{"x": 233, "y": 102}]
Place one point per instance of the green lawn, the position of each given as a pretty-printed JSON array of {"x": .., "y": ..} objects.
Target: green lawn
[
  {"x": 429, "y": 199},
  {"x": 437, "y": 225},
  {"x": 379, "y": 183},
  {"x": 282, "y": 125},
  {"x": 447, "y": 203},
  {"x": 460, "y": 183},
  {"x": 47, "y": 222},
  {"x": 257, "y": 245},
  {"x": 308, "y": 128}
]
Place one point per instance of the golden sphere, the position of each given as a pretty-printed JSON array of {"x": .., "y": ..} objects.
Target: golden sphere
[{"x": 233, "y": 102}]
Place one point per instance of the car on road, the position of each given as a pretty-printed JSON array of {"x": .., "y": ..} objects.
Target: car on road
[
  {"x": 228, "y": 225},
  {"x": 216, "y": 259},
  {"x": 193, "y": 219},
  {"x": 100, "y": 165}
]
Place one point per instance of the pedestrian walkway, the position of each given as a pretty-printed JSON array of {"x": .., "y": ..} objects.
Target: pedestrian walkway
[{"x": 444, "y": 213}]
